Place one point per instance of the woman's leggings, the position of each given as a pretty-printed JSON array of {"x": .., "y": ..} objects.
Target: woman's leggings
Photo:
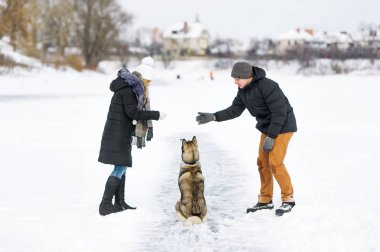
[{"x": 118, "y": 171}]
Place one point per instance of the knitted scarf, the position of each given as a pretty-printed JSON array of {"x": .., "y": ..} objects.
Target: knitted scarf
[
  {"x": 143, "y": 104},
  {"x": 142, "y": 126},
  {"x": 136, "y": 84}
]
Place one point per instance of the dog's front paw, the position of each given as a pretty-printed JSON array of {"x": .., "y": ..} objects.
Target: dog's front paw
[
  {"x": 180, "y": 217},
  {"x": 193, "y": 220}
]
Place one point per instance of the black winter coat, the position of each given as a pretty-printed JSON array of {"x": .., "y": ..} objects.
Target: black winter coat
[
  {"x": 116, "y": 141},
  {"x": 264, "y": 100}
]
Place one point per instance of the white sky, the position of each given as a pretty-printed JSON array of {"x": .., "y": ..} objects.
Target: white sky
[{"x": 252, "y": 18}]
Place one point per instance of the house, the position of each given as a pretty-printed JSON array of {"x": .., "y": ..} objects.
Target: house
[
  {"x": 369, "y": 37},
  {"x": 187, "y": 38},
  {"x": 294, "y": 39},
  {"x": 299, "y": 39},
  {"x": 339, "y": 40}
]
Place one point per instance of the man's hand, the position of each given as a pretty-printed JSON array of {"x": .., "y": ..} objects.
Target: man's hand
[
  {"x": 203, "y": 118},
  {"x": 268, "y": 144}
]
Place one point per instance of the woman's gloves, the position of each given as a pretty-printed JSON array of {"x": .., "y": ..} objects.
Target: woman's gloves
[
  {"x": 162, "y": 115},
  {"x": 149, "y": 134}
]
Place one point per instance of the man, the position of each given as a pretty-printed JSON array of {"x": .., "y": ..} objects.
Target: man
[{"x": 275, "y": 120}]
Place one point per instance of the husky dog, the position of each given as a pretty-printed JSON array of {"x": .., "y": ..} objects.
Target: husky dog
[{"x": 191, "y": 208}]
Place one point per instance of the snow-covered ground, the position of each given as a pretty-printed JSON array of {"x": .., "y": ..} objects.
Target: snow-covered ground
[{"x": 51, "y": 183}]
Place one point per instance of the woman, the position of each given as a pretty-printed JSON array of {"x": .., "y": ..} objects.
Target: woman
[{"x": 128, "y": 119}]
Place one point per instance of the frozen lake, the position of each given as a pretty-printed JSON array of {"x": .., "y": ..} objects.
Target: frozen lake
[{"x": 51, "y": 182}]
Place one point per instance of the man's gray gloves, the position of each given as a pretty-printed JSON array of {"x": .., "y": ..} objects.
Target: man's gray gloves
[
  {"x": 203, "y": 118},
  {"x": 268, "y": 144}
]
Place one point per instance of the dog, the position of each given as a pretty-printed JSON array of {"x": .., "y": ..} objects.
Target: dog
[{"x": 191, "y": 208}]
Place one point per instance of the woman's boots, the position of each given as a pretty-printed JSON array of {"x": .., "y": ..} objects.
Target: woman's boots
[
  {"x": 119, "y": 196},
  {"x": 114, "y": 186},
  {"x": 106, "y": 207}
]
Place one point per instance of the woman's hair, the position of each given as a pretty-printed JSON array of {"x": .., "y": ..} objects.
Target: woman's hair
[{"x": 138, "y": 76}]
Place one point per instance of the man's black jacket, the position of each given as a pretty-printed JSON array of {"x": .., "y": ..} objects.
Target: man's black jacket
[{"x": 264, "y": 100}]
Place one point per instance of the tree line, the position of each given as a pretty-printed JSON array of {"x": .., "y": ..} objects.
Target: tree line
[{"x": 95, "y": 27}]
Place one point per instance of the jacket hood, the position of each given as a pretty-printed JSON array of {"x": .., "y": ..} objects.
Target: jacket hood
[
  {"x": 258, "y": 73},
  {"x": 118, "y": 84}
]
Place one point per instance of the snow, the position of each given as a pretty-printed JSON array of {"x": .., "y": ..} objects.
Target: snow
[
  {"x": 296, "y": 34},
  {"x": 317, "y": 37},
  {"x": 338, "y": 37},
  {"x": 51, "y": 182},
  {"x": 6, "y": 49}
]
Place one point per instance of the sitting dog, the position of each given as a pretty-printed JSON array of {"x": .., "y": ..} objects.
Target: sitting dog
[{"x": 191, "y": 208}]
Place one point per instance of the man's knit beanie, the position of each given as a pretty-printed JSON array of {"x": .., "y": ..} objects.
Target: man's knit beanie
[{"x": 242, "y": 70}]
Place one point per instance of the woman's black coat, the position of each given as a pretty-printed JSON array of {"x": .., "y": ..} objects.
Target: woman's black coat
[{"x": 116, "y": 140}]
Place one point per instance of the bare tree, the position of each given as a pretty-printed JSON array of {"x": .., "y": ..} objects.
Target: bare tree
[
  {"x": 61, "y": 21},
  {"x": 2, "y": 20},
  {"x": 53, "y": 25},
  {"x": 98, "y": 25},
  {"x": 253, "y": 48},
  {"x": 14, "y": 22},
  {"x": 35, "y": 22}
]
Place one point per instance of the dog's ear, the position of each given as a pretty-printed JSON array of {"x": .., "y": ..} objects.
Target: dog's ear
[
  {"x": 194, "y": 140},
  {"x": 184, "y": 143}
]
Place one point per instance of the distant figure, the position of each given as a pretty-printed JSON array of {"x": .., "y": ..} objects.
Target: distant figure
[
  {"x": 178, "y": 77},
  {"x": 211, "y": 75}
]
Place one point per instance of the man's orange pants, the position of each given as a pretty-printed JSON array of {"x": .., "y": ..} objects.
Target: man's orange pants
[{"x": 272, "y": 164}]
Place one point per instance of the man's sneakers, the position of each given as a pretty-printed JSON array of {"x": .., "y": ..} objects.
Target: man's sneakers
[
  {"x": 260, "y": 206},
  {"x": 285, "y": 207}
]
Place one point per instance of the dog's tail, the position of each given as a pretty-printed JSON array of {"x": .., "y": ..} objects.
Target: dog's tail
[{"x": 193, "y": 220}]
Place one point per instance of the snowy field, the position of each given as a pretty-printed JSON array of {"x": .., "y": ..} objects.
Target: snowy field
[{"x": 51, "y": 183}]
